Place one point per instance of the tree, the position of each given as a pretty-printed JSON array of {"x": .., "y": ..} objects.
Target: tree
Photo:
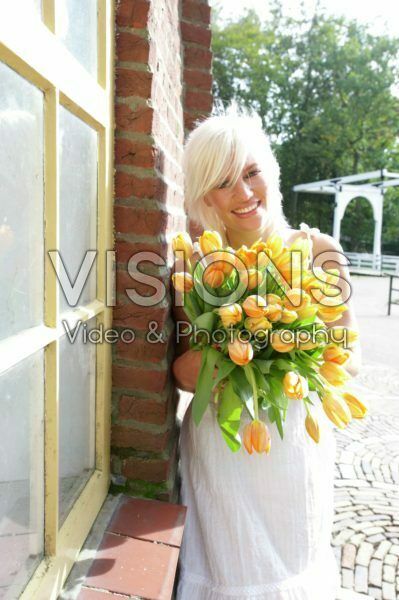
[{"x": 324, "y": 87}]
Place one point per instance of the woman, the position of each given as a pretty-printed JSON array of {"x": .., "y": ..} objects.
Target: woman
[{"x": 258, "y": 526}]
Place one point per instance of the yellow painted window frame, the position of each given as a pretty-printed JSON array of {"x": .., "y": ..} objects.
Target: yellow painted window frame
[{"x": 33, "y": 50}]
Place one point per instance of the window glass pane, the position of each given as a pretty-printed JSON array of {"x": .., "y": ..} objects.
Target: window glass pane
[
  {"x": 77, "y": 28},
  {"x": 21, "y": 203},
  {"x": 78, "y": 200},
  {"x": 21, "y": 474},
  {"x": 77, "y": 416}
]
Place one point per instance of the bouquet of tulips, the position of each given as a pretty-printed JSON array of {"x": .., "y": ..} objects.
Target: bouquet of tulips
[{"x": 259, "y": 315}]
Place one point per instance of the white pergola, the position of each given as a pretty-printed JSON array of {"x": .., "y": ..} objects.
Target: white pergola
[{"x": 370, "y": 186}]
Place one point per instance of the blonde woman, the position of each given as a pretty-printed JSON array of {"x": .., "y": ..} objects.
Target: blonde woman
[{"x": 258, "y": 526}]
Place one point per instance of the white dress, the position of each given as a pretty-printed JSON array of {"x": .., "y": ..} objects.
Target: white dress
[{"x": 258, "y": 526}]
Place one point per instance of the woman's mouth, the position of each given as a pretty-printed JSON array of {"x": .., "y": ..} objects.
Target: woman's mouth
[{"x": 247, "y": 211}]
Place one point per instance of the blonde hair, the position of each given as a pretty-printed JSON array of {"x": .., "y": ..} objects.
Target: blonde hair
[{"x": 217, "y": 149}]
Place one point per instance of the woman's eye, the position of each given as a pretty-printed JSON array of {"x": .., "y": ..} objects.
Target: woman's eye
[
  {"x": 253, "y": 173},
  {"x": 223, "y": 185}
]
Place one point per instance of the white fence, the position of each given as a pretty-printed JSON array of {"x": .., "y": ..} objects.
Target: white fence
[{"x": 373, "y": 262}]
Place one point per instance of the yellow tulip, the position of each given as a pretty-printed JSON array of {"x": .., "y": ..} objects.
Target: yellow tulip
[
  {"x": 357, "y": 408},
  {"x": 254, "y": 306},
  {"x": 182, "y": 282},
  {"x": 295, "y": 386},
  {"x": 240, "y": 352},
  {"x": 255, "y": 278},
  {"x": 307, "y": 311},
  {"x": 335, "y": 354},
  {"x": 224, "y": 261},
  {"x": 275, "y": 244},
  {"x": 334, "y": 373},
  {"x": 336, "y": 409},
  {"x": 273, "y": 299},
  {"x": 210, "y": 241},
  {"x": 331, "y": 308},
  {"x": 279, "y": 344},
  {"x": 247, "y": 256},
  {"x": 303, "y": 246},
  {"x": 230, "y": 314},
  {"x": 344, "y": 336},
  {"x": 254, "y": 324},
  {"x": 257, "y": 437},
  {"x": 288, "y": 316},
  {"x": 183, "y": 242},
  {"x": 312, "y": 427},
  {"x": 296, "y": 299},
  {"x": 213, "y": 276}
]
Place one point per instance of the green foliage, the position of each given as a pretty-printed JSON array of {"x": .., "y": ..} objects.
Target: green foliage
[{"x": 324, "y": 89}]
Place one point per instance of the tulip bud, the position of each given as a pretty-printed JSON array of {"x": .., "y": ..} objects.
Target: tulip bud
[
  {"x": 334, "y": 373},
  {"x": 257, "y": 437},
  {"x": 288, "y": 316},
  {"x": 312, "y": 427},
  {"x": 240, "y": 352},
  {"x": 182, "y": 282},
  {"x": 254, "y": 306},
  {"x": 336, "y": 409},
  {"x": 255, "y": 278},
  {"x": 183, "y": 242},
  {"x": 335, "y": 354},
  {"x": 357, "y": 408},
  {"x": 230, "y": 314},
  {"x": 213, "y": 276},
  {"x": 254, "y": 324},
  {"x": 282, "y": 340},
  {"x": 273, "y": 312},
  {"x": 295, "y": 386},
  {"x": 210, "y": 241}
]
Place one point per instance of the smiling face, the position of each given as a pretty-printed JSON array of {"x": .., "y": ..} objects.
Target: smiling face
[{"x": 242, "y": 207}]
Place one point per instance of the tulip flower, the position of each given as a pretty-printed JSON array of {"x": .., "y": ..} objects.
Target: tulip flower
[
  {"x": 240, "y": 352},
  {"x": 224, "y": 261},
  {"x": 247, "y": 256},
  {"x": 331, "y": 308},
  {"x": 335, "y": 374},
  {"x": 307, "y": 311},
  {"x": 357, "y": 408},
  {"x": 230, "y": 314},
  {"x": 288, "y": 316},
  {"x": 182, "y": 282},
  {"x": 336, "y": 354},
  {"x": 255, "y": 278},
  {"x": 273, "y": 299},
  {"x": 280, "y": 343},
  {"x": 295, "y": 386},
  {"x": 210, "y": 241},
  {"x": 343, "y": 336},
  {"x": 336, "y": 409},
  {"x": 257, "y": 437},
  {"x": 183, "y": 242},
  {"x": 213, "y": 276},
  {"x": 296, "y": 299},
  {"x": 254, "y": 324},
  {"x": 312, "y": 427},
  {"x": 273, "y": 312},
  {"x": 254, "y": 306}
]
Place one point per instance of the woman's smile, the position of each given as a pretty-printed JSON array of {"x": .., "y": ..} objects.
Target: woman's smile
[{"x": 247, "y": 211}]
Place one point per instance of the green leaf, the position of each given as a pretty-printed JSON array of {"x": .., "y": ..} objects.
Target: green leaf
[
  {"x": 205, "y": 383},
  {"x": 243, "y": 389},
  {"x": 229, "y": 416},
  {"x": 206, "y": 321},
  {"x": 263, "y": 365},
  {"x": 225, "y": 367}
]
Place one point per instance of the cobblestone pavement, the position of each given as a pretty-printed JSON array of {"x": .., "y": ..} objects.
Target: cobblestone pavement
[{"x": 366, "y": 525}]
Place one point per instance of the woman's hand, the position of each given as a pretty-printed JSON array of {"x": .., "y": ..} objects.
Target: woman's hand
[{"x": 186, "y": 369}]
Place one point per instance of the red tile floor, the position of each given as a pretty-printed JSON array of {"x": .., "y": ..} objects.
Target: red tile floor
[{"x": 138, "y": 552}]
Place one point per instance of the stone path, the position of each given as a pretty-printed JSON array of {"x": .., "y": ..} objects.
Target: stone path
[{"x": 366, "y": 526}]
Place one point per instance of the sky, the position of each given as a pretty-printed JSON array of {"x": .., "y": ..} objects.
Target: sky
[{"x": 382, "y": 15}]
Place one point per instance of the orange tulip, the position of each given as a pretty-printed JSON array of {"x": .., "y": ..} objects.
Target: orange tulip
[
  {"x": 255, "y": 278},
  {"x": 254, "y": 324},
  {"x": 296, "y": 299},
  {"x": 331, "y": 308},
  {"x": 247, "y": 256},
  {"x": 224, "y": 261},
  {"x": 257, "y": 437},
  {"x": 288, "y": 316},
  {"x": 230, "y": 314},
  {"x": 295, "y": 386},
  {"x": 240, "y": 352},
  {"x": 254, "y": 306},
  {"x": 273, "y": 312},
  {"x": 182, "y": 282},
  {"x": 335, "y": 354},
  {"x": 281, "y": 344},
  {"x": 357, "y": 408},
  {"x": 213, "y": 276},
  {"x": 312, "y": 427}
]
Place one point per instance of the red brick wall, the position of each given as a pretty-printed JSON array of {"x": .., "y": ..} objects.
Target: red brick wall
[{"x": 163, "y": 83}]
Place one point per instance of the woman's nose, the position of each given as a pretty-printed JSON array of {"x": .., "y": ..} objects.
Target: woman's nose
[{"x": 243, "y": 190}]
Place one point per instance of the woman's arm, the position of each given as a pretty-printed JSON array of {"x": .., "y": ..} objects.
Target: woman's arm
[{"x": 328, "y": 253}]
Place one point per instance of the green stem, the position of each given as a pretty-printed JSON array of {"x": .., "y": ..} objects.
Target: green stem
[{"x": 251, "y": 377}]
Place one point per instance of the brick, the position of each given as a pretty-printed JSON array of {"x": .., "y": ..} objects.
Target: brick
[
  {"x": 198, "y": 79},
  {"x": 136, "y": 378},
  {"x": 129, "y": 219},
  {"x": 375, "y": 572},
  {"x": 196, "y": 34},
  {"x": 198, "y": 100},
  {"x": 197, "y": 58},
  {"x": 127, "y": 185},
  {"x": 125, "y": 250},
  {"x": 134, "y": 153},
  {"x": 138, "y": 120},
  {"x": 127, "y": 437},
  {"x": 132, "y": 47},
  {"x": 130, "y": 287},
  {"x": 154, "y": 470},
  {"x": 144, "y": 410},
  {"x": 133, "y": 13},
  {"x": 140, "y": 349},
  {"x": 196, "y": 11},
  {"x": 139, "y": 317},
  {"x": 133, "y": 83}
]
